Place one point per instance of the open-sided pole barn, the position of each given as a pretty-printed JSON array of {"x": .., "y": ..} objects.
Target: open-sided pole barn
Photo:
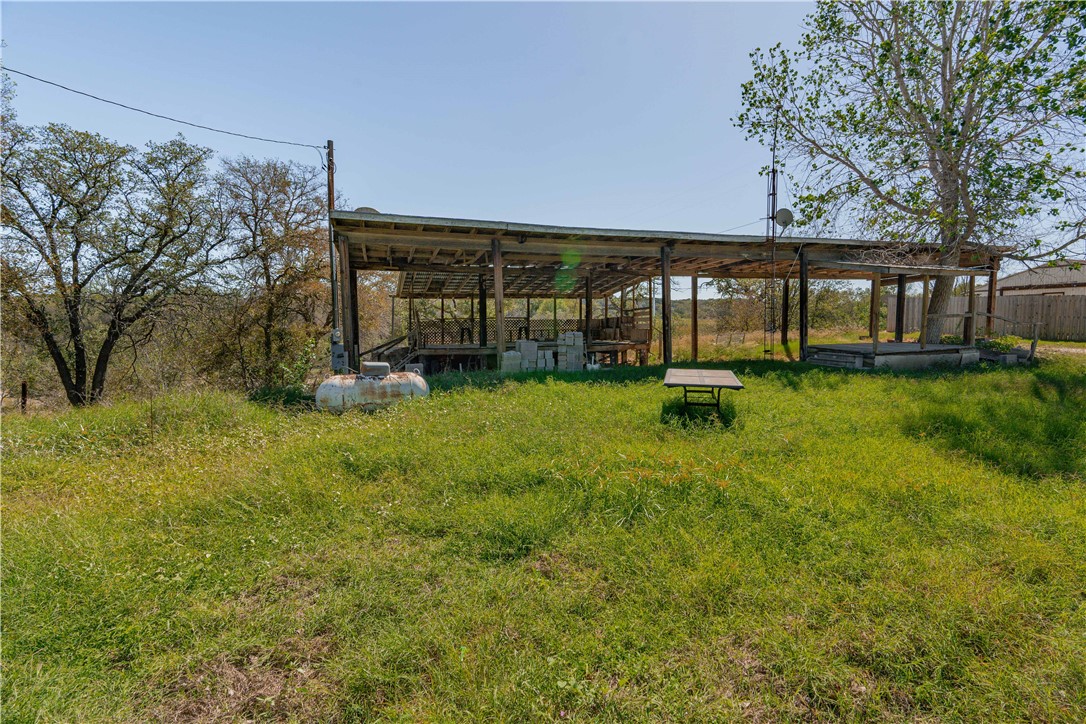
[{"x": 494, "y": 261}]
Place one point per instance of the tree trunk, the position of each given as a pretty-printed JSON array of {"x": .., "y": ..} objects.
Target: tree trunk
[
  {"x": 101, "y": 365},
  {"x": 941, "y": 293},
  {"x": 938, "y": 305},
  {"x": 76, "y": 394}
]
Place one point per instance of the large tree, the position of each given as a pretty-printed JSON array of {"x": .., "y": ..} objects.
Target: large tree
[
  {"x": 276, "y": 211},
  {"x": 953, "y": 124},
  {"x": 98, "y": 238}
]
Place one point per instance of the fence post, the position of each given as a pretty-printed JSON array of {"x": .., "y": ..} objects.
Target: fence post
[{"x": 22, "y": 397}]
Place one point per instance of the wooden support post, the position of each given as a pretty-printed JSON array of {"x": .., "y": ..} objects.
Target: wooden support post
[
  {"x": 899, "y": 310},
  {"x": 555, "y": 301},
  {"x": 410, "y": 316},
  {"x": 332, "y": 249},
  {"x": 482, "y": 311},
  {"x": 527, "y": 318},
  {"x": 23, "y": 394},
  {"x": 872, "y": 320},
  {"x": 804, "y": 289},
  {"x": 784, "y": 311},
  {"x": 499, "y": 297},
  {"x": 345, "y": 298},
  {"x": 652, "y": 303},
  {"x": 443, "y": 320},
  {"x": 876, "y": 288},
  {"x": 353, "y": 354},
  {"x": 587, "y": 311},
  {"x": 989, "y": 321},
  {"x": 665, "y": 296},
  {"x": 925, "y": 297},
  {"x": 694, "y": 318},
  {"x": 970, "y": 331}
]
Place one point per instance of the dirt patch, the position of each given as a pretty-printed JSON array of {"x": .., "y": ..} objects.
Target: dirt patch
[
  {"x": 551, "y": 565},
  {"x": 280, "y": 683}
]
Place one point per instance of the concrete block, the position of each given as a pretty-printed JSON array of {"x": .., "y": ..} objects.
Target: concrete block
[{"x": 1008, "y": 359}]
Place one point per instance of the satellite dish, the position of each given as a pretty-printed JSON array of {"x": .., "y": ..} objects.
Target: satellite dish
[
  {"x": 784, "y": 218},
  {"x": 366, "y": 210}
]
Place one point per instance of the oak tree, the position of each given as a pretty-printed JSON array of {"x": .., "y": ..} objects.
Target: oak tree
[{"x": 98, "y": 238}]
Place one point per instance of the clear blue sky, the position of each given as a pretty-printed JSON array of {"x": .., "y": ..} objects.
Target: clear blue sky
[{"x": 603, "y": 114}]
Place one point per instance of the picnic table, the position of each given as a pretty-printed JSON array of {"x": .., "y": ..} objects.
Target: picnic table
[{"x": 702, "y": 385}]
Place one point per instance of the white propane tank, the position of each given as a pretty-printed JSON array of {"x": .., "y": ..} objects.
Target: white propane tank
[{"x": 376, "y": 387}]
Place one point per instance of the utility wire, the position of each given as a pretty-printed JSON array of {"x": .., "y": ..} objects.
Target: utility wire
[
  {"x": 741, "y": 226},
  {"x": 9, "y": 69}
]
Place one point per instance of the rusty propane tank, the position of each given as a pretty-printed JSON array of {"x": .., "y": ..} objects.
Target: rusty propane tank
[{"x": 374, "y": 388}]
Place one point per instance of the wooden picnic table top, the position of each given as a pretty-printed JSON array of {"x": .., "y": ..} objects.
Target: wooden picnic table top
[{"x": 725, "y": 379}]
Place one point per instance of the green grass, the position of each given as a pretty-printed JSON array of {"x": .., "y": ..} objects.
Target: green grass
[{"x": 840, "y": 546}]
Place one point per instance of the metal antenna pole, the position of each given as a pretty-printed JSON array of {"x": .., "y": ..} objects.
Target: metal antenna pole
[{"x": 770, "y": 327}]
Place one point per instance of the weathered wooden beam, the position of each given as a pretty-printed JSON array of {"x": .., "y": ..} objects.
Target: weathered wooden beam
[
  {"x": 499, "y": 297},
  {"x": 356, "y": 331},
  {"x": 784, "y": 311},
  {"x": 924, "y": 314},
  {"x": 694, "y": 318},
  {"x": 588, "y": 311},
  {"x": 970, "y": 330},
  {"x": 665, "y": 291},
  {"x": 804, "y": 289},
  {"x": 899, "y": 309},
  {"x": 876, "y": 289},
  {"x": 989, "y": 321},
  {"x": 482, "y": 311}
]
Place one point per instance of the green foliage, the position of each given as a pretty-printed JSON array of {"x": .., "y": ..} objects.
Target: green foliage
[
  {"x": 1002, "y": 345},
  {"x": 951, "y": 123},
  {"x": 545, "y": 547},
  {"x": 98, "y": 239}
]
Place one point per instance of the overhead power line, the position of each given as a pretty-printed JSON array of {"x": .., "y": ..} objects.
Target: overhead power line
[
  {"x": 741, "y": 226},
  {"x": 9, "y": 69}
]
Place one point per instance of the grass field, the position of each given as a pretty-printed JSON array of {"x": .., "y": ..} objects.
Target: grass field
[{"x": 840, "y": 545}]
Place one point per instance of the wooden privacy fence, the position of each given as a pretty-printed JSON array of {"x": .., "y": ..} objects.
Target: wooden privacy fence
[{"x": 1061, "y": 317}]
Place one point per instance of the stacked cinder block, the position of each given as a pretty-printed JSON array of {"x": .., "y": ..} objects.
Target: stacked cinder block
[
  {"x": 570, "y": 352},
  {"x": 544, "y": 360},
  {"x": 510, "y": 362},
  {"x": 529, "y": 354}
]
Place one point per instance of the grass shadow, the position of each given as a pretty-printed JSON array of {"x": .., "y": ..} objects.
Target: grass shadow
[
  {"x": 1036, "y": 434},
  {"x": 674, "y": 413}
]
